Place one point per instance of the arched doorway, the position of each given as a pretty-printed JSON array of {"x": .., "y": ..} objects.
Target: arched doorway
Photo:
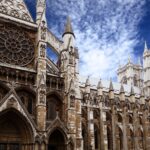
[
  {"x": 56, "y": 141},
  {"x": 15, "y": 133}
]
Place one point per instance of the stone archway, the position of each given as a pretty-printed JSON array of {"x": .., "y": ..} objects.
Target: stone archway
[
  {"x": 57, "y": 141},
  {"x": 15, "y": 132}
]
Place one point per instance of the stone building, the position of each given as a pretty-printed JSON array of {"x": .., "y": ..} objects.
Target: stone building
[{"x": 44, "y": 106}]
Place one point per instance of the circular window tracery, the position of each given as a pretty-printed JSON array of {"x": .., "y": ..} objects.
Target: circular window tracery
[{"x": 15, "y": 46}]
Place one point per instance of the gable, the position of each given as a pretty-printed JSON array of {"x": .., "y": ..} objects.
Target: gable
[{"x": 15, "y": 9}]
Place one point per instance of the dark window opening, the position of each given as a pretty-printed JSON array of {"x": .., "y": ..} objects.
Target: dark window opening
[
  {"x": 54, "y": 107},
  {"x": 96, "y": 137}
]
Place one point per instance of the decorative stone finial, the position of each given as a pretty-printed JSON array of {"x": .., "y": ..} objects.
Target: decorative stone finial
[
  {"x": 122, "y": 89},
  {"x": 99, "y": 86},
  {"x": 139, "y": 61},
  {"x": 132, "y": 90},
  {"x": 129, "y": 59},
  {"x": 145, "y": 47},
  {"x": 87, "y": 83},
  {"x": 111, "y": 88}
]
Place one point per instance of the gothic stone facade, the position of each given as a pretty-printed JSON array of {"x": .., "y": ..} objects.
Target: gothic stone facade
[{"x": 44, "y": 106}]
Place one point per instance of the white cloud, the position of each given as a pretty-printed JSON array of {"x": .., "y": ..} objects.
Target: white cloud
[{"x": 106, "y": 31}]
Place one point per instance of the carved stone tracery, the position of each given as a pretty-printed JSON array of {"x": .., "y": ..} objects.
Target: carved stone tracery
[
  {"x": 15, "y": 9},
  {"x": 15, "y": 46}
]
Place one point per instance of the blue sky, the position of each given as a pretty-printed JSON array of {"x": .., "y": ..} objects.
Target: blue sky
[{"x": 107, "y": 31}]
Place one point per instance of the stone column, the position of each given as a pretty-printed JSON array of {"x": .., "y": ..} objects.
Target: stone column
[
  {"x": 91, "y": 129},
  {"x": 41, "y": 86},
  {"x": 43, "y": 146},
  {"x": 145, "y": 130},
  {"x": 79, "y": 145},
  {"x": 113, "y": 127},
  {"x": 125, "y": 144},
  {"x": 36, "y": 147},
  {"x": 135, "y": 116},
  {"x": 71, "y": 123},
  {"x": 103, "y": 129}
]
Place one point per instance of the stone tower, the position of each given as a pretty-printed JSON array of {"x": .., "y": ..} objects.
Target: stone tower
[
  {"x": 48, "y": 106},
  {"x": 131, "y": 74},
  {"x": 146, "y": 70},
  {"x": 40, "y": 63},
  {"x": 69, "y": 70}
]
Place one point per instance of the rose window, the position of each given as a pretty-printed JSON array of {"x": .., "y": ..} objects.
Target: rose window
[{"x": 15, "y": 46}]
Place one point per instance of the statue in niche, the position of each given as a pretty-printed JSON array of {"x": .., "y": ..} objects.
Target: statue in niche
[
  {"x": 43, "y": 30},
  {"x": 42, "y": 50},
  {"x": 42, "y": 96},
  {"x": 71, "y": 54},
  {"x": 72, "y": 101}
]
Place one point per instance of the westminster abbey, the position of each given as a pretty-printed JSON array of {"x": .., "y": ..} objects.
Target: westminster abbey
[{"x": 49, "y": 106}]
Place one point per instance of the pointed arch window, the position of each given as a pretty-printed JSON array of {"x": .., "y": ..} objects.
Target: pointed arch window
[
  {"x": 135, "y": 80},
  {"x": 130, "y": 119},
  {"x": 3, "y": 92},
  {"x": 119, "y": 118},
  {"x": 124, "y": 80},
  {"x": 85, "y": 137},
  {"x": 96, "y": 137},
  {"x": 30, "y": 106},
  {"x": 109, "y": 138},
  {"x": 107, "y": 101},
  {"x": 130, "y": 138},
  {"x": 119, "y": 138},
  {"x": 28, "y": 99},
  {"x": 140, "y": 138},
  {"x": 54, "y": 107}
]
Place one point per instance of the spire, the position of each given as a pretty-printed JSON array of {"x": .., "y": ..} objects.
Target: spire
[
  {"x": 111, "y": 88},
  {"x": 40, "y": 9},
  {"x": 87, "y": 83},
  {"x": 145, "y": 47},
  {"x": 122, "y": 89},
  {"x": 132, "y": 90},
  {"x": 68, "y": 27},
  {"x": 99, "y": 86},
  {"x": 139, "y": 61},
  {"x": 129, "y": 59}
]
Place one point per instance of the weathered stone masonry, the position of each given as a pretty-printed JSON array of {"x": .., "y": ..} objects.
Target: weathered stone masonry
[{"x": 48, "y": 106}]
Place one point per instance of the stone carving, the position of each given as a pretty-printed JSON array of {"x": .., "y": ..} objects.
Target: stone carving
[
  {"x": 43, "y": 31},
  {"x": 3, "y": 9},
  {"x": 15, "y": 46},
  {"x": 78, "y": 143},
  {"x": 42, "y": 96},
  {"x": 15, "y": 9},
  {"x": 42, "y": 50},
  {"x": 86, "y": 98},
  {"x": 11, "y": 103},
  {"x": 72, "y": 101},
  {"x": 71, "y": 54},
  {"x": 40, "y": 138}
]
